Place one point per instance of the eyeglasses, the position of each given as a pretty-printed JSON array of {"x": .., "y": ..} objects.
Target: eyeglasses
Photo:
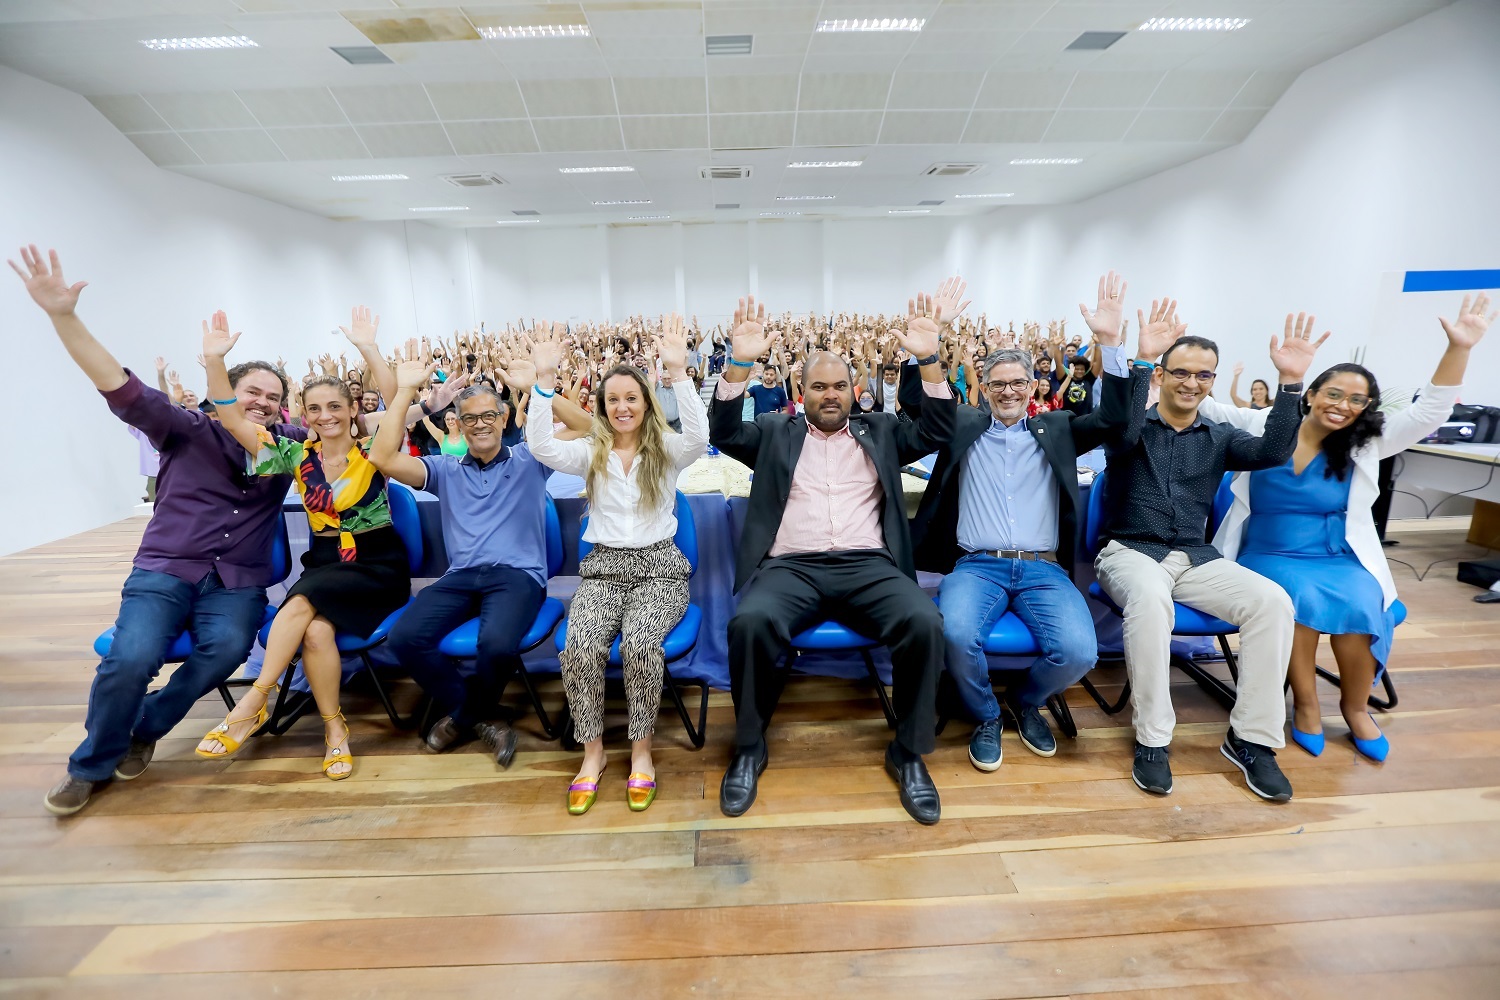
[
  {"x": 475, "y": 419},
  {"x": 1182, "y": 375},
  {"x": 1015, "y": 385},
  {"x": 1356, "y": 401}
]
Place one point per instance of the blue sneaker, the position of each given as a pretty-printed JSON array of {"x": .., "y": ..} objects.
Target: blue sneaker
[
  {"x": 984, "y": 746},
  {"x": 1035, "y": 734}
]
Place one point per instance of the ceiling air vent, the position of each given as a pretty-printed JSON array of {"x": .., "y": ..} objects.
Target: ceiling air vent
[
  {"x": 727, "y": 205},
  {"x": 524, "y": 211},
  {"x": 931, "y": 201},
  {"x": 951, "y": 169},
  {"x": 727, "y": 45},
  {"x": 361, "y": 55},
  {"x": 724, "y": 173},
  {"x": 473, "y": 180},
  {"x": 1094, "y": 41}
]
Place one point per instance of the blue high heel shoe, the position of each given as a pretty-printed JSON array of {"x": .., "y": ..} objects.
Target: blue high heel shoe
[
  {"x": 1377, "y": 749},
  {"x": 1311, "y": 742}
]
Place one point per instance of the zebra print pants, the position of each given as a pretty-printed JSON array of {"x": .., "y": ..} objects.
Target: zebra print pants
[{"x": 639, "y": 595}]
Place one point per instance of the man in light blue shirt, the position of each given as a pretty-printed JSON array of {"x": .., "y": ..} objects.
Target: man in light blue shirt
[{"x": 1001, "y": 517}]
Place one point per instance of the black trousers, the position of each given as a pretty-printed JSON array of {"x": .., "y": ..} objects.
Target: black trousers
[
  {"x": 860, "y": 589},
  {"x": 505, "y": 600}
]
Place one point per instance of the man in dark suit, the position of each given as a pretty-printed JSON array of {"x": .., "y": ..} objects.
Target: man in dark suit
[
  {"x": 1001, "y": 517},
  {"x": 826, "y": 537}
]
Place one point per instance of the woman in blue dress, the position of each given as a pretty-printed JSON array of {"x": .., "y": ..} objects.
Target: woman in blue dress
[{"x": 1309, "y": 526}]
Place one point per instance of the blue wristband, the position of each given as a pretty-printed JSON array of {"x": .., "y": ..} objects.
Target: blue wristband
[
  {"x": 1148, "y": 365},
  {"x": 225, "y": 402},
  {"x": 741, "y": 364},
  {"x": 542, "y": 392}
]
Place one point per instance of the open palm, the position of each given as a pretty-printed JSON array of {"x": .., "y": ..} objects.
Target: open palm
[
  {"x": 1294, "y": 355},
  {"x": 46, "y": 284},
  {"x": 749, "y": 337},
  {"x": 1105, "y": 322},
  {"x": 1470, "y": 326}
]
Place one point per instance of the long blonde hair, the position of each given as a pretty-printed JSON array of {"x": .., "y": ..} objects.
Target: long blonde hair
[{"x": 651, "y": 449}]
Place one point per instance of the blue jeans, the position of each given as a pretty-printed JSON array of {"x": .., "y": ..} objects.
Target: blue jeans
[
  {"x": 155, "y": 608},
  {"x": 973, "y": 598}
]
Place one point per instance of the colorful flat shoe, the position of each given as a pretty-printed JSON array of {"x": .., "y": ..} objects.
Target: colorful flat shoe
[
  {"x": 581, "y": 794},
  {"x": 1377, "y": 749},
  {"x": 640, "y": 791},
  {"x": 220, "y": 733},
  {"x": 1311, "y": 742}
]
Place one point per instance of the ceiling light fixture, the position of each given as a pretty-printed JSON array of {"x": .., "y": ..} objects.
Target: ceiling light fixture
[
  {"x": 1047, "y": 161},
  {"x": 774, "y": 215},
  {"x": 625, "y": 201},
  {"x": 442, "y": 208},
  {"x": 371, "y": 177},
  {"x": 596, "y": 170},
  {"x": 1195, "y": 24},
  {"x": 535, "y": 31},
  {"x": 805, "y": 197},
  {"x": 874, "y": 24},
  {"x": 728, "y": 45},
  {"x": 648, "y": 218},
  {"x": 909, "y": 211},
  {"x": 997, "y": 194},
  {"x": 210, "y": 42},
  {"x": 800, "y": 164},
  {"x": 515, "y": 222}
]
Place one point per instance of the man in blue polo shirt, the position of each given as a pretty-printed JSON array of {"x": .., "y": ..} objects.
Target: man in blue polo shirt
[{"x": 494, "y": 528}]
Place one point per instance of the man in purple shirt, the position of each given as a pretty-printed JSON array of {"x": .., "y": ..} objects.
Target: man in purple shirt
[{"x": 203, "y": 565}]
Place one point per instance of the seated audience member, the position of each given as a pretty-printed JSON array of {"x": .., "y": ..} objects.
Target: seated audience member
[
  {"x": 203, "y": 563},
  {"x": 1260, "y": 393},
  {"x": 370, "y": 401},
  {"x": 826, "y": 537},
  {"x": 635, "y": 579},
  {"x": 1308, "y": 525},
  {"x": 769, "y": 395},
  {"x": 450, "y": 440},
  {"x": 1163, "y": 474},
  {"x": 355, "y": 571},
  {"x": 1001, "y": 516},
  {"x": 494, "y": 521}
]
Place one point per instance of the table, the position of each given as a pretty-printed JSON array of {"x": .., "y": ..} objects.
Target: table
[{"x": 1469, "y": 470}]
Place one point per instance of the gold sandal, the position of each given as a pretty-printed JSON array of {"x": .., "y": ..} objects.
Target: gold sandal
[
  {"x": 220, "y": 733},
  {"x": 337, "y": 755}
]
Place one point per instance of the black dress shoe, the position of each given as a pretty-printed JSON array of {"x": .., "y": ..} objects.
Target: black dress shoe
[
  {"x": 919, "y": 796},
  {"x": 444, "y": 735},
  {"x": 737, "y": 791}
]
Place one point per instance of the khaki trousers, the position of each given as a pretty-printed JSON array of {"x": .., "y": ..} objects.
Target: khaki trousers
[{"x": 1145, "y": 590}]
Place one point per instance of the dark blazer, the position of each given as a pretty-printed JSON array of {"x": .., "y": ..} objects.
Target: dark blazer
[
  {"x": 771, "y": 444},
  {"x": 1062, "y": 437}
]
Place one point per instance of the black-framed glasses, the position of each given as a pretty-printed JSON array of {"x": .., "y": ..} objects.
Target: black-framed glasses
[
  {"x": 1356, "y": 400},
  {"x": 475, "y": 419},
  {"x": 1014, "y": 385},
  {"x": 1182, "y": 375}
]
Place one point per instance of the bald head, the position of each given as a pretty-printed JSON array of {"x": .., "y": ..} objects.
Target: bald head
[{"x": 827, "y": 391}]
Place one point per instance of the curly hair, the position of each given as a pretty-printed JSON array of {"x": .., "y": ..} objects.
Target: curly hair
[
  {"x": 1339, "y": 447},
  {"x": 244, "y": 368},
  {"x": 656, "y": 466}
]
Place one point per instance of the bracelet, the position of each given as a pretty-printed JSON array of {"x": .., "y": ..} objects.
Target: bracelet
[
  {"x": 425, "y": 407},
  {"x": 1148, "y": 365},
  {"x": 542, "y": 392},
  {"x": 225, "y": 402},
  {"x": 740, "y": 364}
]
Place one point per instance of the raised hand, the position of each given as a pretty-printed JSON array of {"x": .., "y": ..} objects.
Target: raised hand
[
  {"x": 444, "y": 393},
  {"x": 413, "y": 374},
  {"x": 949, "y": 300},
  {"x": 1239, "y": 368},
  {"x": 161, "y": 364},
  {"x": 923, "y": 327},
  {"x": 46, "y": 284},
  {"x": 749, "y": 338},
  {"x": 546, "y": 352},
  {"x": 362, "y": 327},
  {"x": 671, "y": 346},
  {"x": 1160, "y": 331},
  {"x": 1294, "y": 354},
  {"x": 217, "y": 340},
  {"x": 1470, "y": 326},
  {"x": 1105, "y": 321}
]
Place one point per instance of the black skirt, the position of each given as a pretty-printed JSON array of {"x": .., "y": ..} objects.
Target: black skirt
[{"x": 355, "y": 596}]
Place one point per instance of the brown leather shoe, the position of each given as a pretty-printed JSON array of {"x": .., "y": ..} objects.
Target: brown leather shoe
[
  {"x": 444, "y": 735},
  {"x": 501, "y": 739}
]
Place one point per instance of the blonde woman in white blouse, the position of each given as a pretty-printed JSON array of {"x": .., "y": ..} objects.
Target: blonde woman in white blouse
[{"x": 635, "y": 580}]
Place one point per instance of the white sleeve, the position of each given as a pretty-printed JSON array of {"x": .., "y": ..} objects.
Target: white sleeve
[
  {"x": 692, "y": 444},
  {"x": 565, "y": 456},
  {"x": 1406, "y": 427}
]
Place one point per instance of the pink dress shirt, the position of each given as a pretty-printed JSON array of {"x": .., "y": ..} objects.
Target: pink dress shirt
[{"x": 836, "y": 500}]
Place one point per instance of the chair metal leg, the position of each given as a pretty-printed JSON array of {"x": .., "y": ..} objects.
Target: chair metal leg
[
  {"x": 1375, "y": 701},
  {"x": 696, "y": 735},
  {"x": 1058, "y": 706},
  {"x": 290, "y": 705},
  {"x": 410, "y": 721},
  {"x": 1105, "y": 706},
  {"x": 1216, "y": 689},
  {"x": 552, "y": 729},
  {"x": 223, "y": 690},
  {"x": 885, "y": 698}
]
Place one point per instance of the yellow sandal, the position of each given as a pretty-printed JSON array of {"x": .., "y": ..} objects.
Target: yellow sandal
[
  {"x": 220, "y": 733},
  {"x": 337, "y": 755}
]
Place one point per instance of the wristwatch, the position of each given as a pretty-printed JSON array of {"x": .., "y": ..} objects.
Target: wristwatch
[
  {"x": 1292, "y": 387},
  {"x": 931, "y": 359}
]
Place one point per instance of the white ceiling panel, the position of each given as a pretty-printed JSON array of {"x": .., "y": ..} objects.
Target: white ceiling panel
[
  {"x": 233, "y": 146},
  {"x": 210, "y": 110},
  {"x": 661, "y": 95},
  {"x": 322, "y": 143},
  {"x": 564, "y": 135},
  {"x": 478, "y": 138},
  {"x": 129, "y": 113},
  {"x": 838, "y": 128},
  {"x": 394, "y": 103},
  {"x": 1155, "y": 125},
  {"x": 1043, "y": 89},
  {"x": 752, "y": 131},
  {"x": 922, "y": 127},
  {"x": 1088, "y": 126},
  {"x": 843, "y": 91},
  {"x": 560, "y": 98},
  {"x": 1200, "y": 89},
  {"x": 1095, "y": 89},
  {"x": 1234, "y": 124},
  {"x": 406, "y": 140},
  {"x": 165, "y": 149},
  {"x": 666, "y": 132},
  {"x": 475, "y": 101},
  {"x": 299, "y": 106},
  {"x": 752, "y": 93},
  {"x": 934, "y": 90},
  {"x": 1007, "y": 126}
]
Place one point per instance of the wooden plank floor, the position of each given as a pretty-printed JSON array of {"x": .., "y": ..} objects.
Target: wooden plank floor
[{"x": 440, "y": 876}]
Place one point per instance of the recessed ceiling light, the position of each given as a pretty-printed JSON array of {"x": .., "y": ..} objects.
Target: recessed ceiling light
[
  {"x": 910, "y": 211},
  {"x": 727, "y": 45},
  {"x": 625, "y": 201},
  {"x": 800, "y": 164},
  {"x": 536, "y": 31},
  {"x": 648, "y": 218},
  {"x": 515, "y": 222},
  {"x": 209, "y": 42},
  {"x": 997, "y": 194},
  {"x": 773, "y": 215},
  {"x": 1047, "y": 161},
  {"x": 874, "y": 24},
  {"x": 1195, "y": 24},
  {"x": 596, "y": 170},
  {"x": 805, "y": 197},
  {"x": 371, "y": 177},
  {"x": 442, "y": 208}
]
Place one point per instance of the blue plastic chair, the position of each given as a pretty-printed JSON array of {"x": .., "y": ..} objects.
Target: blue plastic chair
[
  {"x": 678, "y": 643},
  {"x": 832, "y": 637},
  {"x": 1390, "y": 700},
  {"x": 408, "y": 526},
  {"x": 463, "y": 642},
  {"x": 182, "y": 647},
  {"x": 1188, "y": 621}
]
